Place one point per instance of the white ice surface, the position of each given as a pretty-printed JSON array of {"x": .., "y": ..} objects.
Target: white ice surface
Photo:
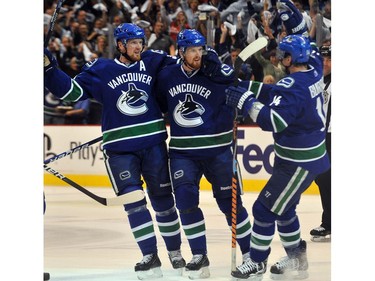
[{"x": 87, "y": 241}]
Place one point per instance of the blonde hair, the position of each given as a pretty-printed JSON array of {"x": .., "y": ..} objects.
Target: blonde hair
[{"x": 269, "y": 79}]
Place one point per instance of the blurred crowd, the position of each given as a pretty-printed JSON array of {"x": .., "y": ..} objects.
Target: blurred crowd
[{"x": 84, "y": 31}]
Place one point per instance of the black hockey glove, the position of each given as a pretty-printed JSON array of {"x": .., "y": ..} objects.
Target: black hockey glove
[
  {"x": 241, "y": 98},
  {"x": 292, "y": 18},
  {"x": 211, "y": 64},
  {"x": 49, "y": 60}
]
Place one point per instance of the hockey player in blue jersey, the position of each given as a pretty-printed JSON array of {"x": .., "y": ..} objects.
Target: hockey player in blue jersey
[
  {"x": 200, "y": 144},
  {"x": 292, "y": 111},
  {"x": 134, "y": 135}
]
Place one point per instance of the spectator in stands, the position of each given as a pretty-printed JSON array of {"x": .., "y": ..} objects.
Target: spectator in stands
[
  {"x": 65, "y": 51},
  {"x": 52, "y": 116},
  {"x": 169, "y": 10},
  {"x": 269, "y": 79},
  {"x": 80, "y": 33},
  {"x": 163, "y": 41},
  {"x": 101, "y": 47},
  {"x": 209, "y": 22},
  {"x": 233, "y": 10},
  {"x": 319, "y": 31},
  {"x": 253, "y": 31},
  {"x": 282, "y": 33},
  {"x": 99, "y": 29},
  {"x": 306, "y": 16},
  {"x": 230, "y": 45},
  {"x": 68, "y": 23},
  {"x": 75, "y": 65},
  {"x": 83, "y": 18},
  {"x": 179, "y": 23},
  {"x": 190, "y": 7},
  {"x": 83, "y": 43},
  {"x": 270, "y": 64},
  {"x": 84, "y": 15},
  {"x": 78, "y": 114}
]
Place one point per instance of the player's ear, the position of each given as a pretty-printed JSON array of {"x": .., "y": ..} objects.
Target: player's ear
[
  {"x": 288, "y": 59},
  {"x": 118, "y": 45}
]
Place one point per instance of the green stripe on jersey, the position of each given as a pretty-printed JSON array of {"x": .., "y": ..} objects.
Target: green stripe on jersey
[
  {"x": 301, "y": 154},
  {"x": 255, "y": 87},
  {"x": 74, "y": 93},
  {"x": 201, "y": 142},
  {"x": 134, "y": 131},
  {"x": 278, "y": 122}
]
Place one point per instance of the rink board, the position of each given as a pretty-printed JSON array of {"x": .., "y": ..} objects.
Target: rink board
[{"x": 86, "y": 167}]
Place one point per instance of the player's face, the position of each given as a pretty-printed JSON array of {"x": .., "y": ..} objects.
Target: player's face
[
  {"x": 193, "y": 57},
  {"x": 134, "y": 49},
  {"x": 326, "y": 65}
]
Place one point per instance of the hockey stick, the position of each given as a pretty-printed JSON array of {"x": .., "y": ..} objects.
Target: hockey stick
[
  {"x": 52, "y": 22},
  {"x": 246, "y": 53},
  {"x": 68, "y": 152},
  {"x": 127, "y": 198}
]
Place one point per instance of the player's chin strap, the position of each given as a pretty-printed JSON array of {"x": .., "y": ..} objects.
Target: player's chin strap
[{"x": 127, "y": 57}]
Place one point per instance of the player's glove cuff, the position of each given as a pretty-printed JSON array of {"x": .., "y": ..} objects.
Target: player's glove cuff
[
  {"x": 241, "y": 98},
  {"x": 292, "y": 18},
  {"x": 49, "y": 60}
]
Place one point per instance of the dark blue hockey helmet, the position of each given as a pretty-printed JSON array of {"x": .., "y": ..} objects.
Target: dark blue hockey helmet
[
  {"x": 190, "y": 38},
  {"x": 297, "y": 46},
  {"x": 127, "y": 31}
]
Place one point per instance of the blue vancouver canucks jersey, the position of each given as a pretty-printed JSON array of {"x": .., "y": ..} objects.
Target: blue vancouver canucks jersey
[
  {"x": 294, "y": 112},
  {"x": 201, "y": 124},
  {"x": 131, "y": 119}
]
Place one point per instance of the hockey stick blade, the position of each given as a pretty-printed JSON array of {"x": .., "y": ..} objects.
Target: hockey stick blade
[
  {"x": 131, "y": 197},
  {"x": 127, "y": 198},
  {"x": 246, "y": 53},
  {"x": 252, "y": 48}
]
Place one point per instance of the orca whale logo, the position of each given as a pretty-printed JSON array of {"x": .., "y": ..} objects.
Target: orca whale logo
[
  {"x": 133, "y": 101},
  {"x": 188, "y": 113}
]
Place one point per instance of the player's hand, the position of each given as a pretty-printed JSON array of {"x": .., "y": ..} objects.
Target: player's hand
[
  {"x": 211, "y": 64},
  {"x": 292, "y": 18},
  {"x": 240, "y": 98},
  {"x": 49, "y": 60}
]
